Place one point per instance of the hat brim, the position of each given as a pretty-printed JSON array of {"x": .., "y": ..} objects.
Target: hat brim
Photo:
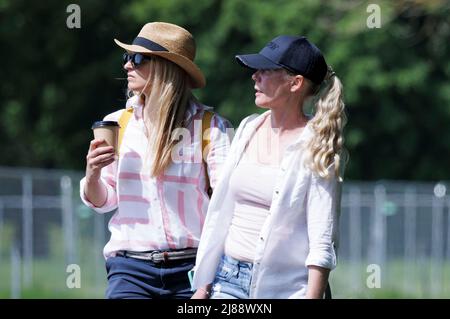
[
  {"x": 198, "y": 79},
  {"x": 257, "y": 62}
]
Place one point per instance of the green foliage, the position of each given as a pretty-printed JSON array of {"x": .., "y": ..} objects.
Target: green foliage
[{"x": 57, "y": 81}]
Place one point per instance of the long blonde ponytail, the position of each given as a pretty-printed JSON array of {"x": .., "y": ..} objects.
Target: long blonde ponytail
[{"x": 326, "y": 147}]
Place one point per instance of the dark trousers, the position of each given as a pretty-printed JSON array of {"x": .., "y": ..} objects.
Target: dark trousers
[{"x": 130, "y": 278}]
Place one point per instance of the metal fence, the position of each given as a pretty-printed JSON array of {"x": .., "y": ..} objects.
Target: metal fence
[
  {"x": 394, "y": 238},
  {"x": 44, "y": 228},
  {"x": 402, "y": 230}
]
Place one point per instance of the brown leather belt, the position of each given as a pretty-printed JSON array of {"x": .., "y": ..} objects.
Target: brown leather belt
[{"x": 159, "y": 256}]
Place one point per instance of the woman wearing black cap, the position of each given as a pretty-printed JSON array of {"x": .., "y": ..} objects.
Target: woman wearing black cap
[
  {"x": 272, "y": 224},
  {"x": 158, "y": 186}
]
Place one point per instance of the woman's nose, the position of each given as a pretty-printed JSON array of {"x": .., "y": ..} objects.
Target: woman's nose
[
  {"x": 255, "y": 76},
  {"x": 128, "y": 66}
]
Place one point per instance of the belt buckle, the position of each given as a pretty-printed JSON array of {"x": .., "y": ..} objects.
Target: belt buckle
[{"x": 158, "y": 256}]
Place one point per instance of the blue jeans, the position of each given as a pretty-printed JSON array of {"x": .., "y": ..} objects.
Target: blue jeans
[
  {"x": 130, "y": 278},
  {"x": 233, "y": 278}
]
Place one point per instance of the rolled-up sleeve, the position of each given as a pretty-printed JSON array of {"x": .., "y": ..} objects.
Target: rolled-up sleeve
[
  {"x": 108, "y": 178},
  {"x": 109, "y": 181},
  {"x": 323, "y": 209}
]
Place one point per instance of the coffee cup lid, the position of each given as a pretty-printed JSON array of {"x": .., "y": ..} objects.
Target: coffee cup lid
[{"x": 104, "y": 123}]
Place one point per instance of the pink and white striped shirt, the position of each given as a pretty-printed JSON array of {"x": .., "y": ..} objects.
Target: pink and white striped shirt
[{"x": 168, "y": 211}]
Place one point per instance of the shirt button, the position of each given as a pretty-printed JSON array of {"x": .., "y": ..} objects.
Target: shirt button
[
  {"x": 260, "y": 238},
  {"x": 277, "y": 192}
]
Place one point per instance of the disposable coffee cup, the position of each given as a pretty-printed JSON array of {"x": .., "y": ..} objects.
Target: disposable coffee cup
[{"x": 109, "y": 131}]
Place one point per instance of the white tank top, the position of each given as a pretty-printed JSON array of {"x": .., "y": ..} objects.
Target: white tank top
[{"x": 252, "y": 186}]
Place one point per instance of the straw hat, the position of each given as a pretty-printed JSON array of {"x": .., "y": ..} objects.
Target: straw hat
[{"x": 170, "y": 42}]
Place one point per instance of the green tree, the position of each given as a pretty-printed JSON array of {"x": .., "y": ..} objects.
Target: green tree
[{"x": 57, "y": 81}]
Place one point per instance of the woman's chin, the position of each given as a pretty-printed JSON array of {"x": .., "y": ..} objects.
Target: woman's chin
[
  {"x": 261, "y": 105},
  {"x": 134, "y": 88}
]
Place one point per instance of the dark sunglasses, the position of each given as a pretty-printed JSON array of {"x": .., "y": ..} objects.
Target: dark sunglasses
[{"x": 136, "y": 59}]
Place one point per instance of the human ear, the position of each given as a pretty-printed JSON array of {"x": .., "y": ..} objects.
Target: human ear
[{"x": 297, "y": 82}]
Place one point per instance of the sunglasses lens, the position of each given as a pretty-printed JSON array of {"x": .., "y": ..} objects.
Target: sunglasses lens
[
  {"x": 126, "y": 57},
  {"x": 136, "y": 58}
]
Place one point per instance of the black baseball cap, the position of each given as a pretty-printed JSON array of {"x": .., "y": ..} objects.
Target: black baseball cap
[{"x": 293, "y": 53}]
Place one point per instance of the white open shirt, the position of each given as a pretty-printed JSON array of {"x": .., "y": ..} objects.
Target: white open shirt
[{"x": 300, "y": 230}]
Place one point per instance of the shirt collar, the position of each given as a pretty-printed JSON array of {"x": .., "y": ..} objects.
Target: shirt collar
[
  {"x": 305, "y": 135},
  {"x": 135, "y": 103},
  {"x": 194, "y": 108}
]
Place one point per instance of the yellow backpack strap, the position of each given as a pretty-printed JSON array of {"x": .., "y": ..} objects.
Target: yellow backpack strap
[
  {"x": 206, "y": 125},
  {"x": 123, "y": 122}
]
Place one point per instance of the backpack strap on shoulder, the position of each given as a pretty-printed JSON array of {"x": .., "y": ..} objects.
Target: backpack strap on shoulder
[
  {"x": 123, "y": 122},
  {"x": 206, "y": 125}
]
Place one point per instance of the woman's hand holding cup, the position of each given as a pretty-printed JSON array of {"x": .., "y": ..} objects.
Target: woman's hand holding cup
[
  {"x": 102, "y": 150},
  {"x": 98, "y": 157}
]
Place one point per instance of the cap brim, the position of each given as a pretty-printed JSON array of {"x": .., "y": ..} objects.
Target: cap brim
[{"x": 256, "y": 62}]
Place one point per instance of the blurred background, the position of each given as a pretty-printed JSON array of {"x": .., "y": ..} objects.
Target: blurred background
[{"x": 57, "y": 80}]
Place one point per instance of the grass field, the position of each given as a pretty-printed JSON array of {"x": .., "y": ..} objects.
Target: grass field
[
  {"x": 398, "y": 278},
  {"x": 49, "y": 275},
  {"x": 347, "y": 281},
  {"x": 49, "y": 281}
]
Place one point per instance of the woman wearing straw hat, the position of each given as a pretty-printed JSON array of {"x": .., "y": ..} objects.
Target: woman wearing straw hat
[
  {"x": 158, "y": 188},
  {"x": 272, "y": 224}
]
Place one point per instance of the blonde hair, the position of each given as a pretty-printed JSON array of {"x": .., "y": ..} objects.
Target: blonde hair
[
  {"x": 166, "y": 97},
  {"x": 326, "y": 147}
]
